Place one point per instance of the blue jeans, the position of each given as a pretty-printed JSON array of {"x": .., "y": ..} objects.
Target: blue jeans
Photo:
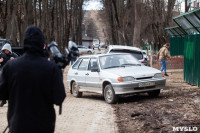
[
  {"x": 72, "y": 61},
  {"x": 163, "y": 66}
]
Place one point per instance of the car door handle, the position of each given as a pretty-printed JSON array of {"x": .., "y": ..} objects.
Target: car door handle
[
  {"x": 76, "y": 73},
  {"x": 87, "y": 74}
]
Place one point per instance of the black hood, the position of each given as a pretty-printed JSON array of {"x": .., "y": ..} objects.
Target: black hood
[{"x": 33, "y": 39}]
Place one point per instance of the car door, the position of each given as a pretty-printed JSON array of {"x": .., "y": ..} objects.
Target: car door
[
  {"x": 81, "y": 71},
  {"x": 80, "y": 50},
  {"x": 85, "y": 50},
  {"x": 93, "y": 78}
]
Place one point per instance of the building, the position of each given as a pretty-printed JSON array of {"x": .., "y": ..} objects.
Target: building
[{"x": 87, "y": 41}]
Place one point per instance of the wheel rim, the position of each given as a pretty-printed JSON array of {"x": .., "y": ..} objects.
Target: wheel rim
[{"x": 109, "y": 95}]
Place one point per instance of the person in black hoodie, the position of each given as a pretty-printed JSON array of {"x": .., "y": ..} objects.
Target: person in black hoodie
[
  {"x": 32, "y": 85},
  {"x": 6, "y": 55}
]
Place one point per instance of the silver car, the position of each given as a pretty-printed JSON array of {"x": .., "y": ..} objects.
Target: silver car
[
  {"x": 113, "y": 75},
  {"x": 85, "y": 50}
]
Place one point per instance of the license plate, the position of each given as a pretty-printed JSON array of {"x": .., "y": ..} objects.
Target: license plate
[{"x": 145, "y": 84}]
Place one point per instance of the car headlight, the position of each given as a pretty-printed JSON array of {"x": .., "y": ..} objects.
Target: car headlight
[
  {"x": 158, "y": 75},
  {"x": 124, "y": 79}
]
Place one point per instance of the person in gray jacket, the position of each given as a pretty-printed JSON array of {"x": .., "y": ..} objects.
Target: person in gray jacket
[{"x": 5, "y": 55}]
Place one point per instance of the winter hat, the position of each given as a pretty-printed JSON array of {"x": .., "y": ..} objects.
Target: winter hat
[
  {"x": 7, "y": 47},
  {"x": 34, "y": 38}
]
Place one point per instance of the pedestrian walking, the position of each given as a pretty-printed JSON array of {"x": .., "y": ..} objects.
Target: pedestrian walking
[
  {"x": 99, "y": 47},
  {"x": 163, "y": 56},
  {"x": 73, "y": 52},
  {"x": 32, "y": 85},
  {"x": 5, "y": 55}
]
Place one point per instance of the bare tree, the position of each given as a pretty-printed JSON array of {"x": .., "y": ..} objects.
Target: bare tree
[
  {"x": 52, "y": 16},
  {"x": 187, "y": 5},
  {"x": 129, "y": 22},
  {"x": 3, "y": 14},
  {"x": 11, "y": 21},
  {"x": 138, "y": 6}
]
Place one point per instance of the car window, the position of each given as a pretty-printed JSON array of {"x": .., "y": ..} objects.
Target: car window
[
  {"x": 84, "y": 64},
  {"x": 82, "y": 47},
  {"x": 136, "y": 54},
  {"x": 75, "y": 66},
  {"x": 1, "y": 43},
  {"x": 93, "y": 64}
]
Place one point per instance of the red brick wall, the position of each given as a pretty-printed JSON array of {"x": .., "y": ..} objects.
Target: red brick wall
[{"x": 176, "y": 62}]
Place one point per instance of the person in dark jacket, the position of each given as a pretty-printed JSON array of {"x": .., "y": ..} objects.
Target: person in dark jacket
[
  {"x": 5, "y": 55},
  {"x": 32, "y": 85}
]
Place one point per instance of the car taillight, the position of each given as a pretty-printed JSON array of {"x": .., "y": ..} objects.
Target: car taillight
[{"x": 142, "y": 61}]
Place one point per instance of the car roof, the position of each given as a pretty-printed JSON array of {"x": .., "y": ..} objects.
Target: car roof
[
  {"x": 144, "y": 51},
  {"x": 98, "y": 55},
  {"x": 124, "y": 47},
  {"x": 81, "y": 46},
  {"x": 3, "y": 39}
]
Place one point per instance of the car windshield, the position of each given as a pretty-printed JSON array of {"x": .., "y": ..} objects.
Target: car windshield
[
  {"x": 136, "y": 54},
  {"x": 81, "y": 47},
  {"x": 118, "y": 60}
]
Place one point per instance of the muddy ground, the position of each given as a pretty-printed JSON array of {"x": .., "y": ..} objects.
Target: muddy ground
[{"x": 175, "y": 107}]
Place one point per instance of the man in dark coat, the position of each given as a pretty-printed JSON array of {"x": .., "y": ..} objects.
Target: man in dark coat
[
  {"x": 5, "y": 55},
  {"x": 32, "y": 85}
]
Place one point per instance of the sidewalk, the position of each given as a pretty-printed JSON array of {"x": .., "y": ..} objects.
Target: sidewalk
[{"x": 174, "y": 70}]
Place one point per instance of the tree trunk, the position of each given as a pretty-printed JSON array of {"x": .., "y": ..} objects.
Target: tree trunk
[
  {"x": 187, "y": 6},
  {"x": 11, "y": 21},
  {"x": 138, "y": 20}
]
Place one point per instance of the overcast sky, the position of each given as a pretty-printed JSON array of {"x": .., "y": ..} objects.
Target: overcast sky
[{"x": 92, "y": 5}]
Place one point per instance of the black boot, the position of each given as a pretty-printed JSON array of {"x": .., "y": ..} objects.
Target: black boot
[{"x": 166, "y": 74}]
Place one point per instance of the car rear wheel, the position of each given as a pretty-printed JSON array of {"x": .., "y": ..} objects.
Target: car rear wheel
[
  {"x": 109, "y": 95},
  {"x": 75, "y": 91},
  {"x": 154, "y": 93},
  {"x": 89, "y": 52}
]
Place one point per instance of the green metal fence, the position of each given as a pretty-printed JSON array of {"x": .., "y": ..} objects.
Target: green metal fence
[
  {"x": 192, "y": 59},
  {"x": 176, "y": 46},
  {"x": 185, "y": 40}
]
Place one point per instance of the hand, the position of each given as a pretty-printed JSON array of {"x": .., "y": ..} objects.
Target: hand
[
  {"x": 11, "y": 58},
  {"x": 1, "y": 60}
]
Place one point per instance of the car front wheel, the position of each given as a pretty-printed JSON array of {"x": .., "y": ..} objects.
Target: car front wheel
[
  {"x": 109, "y": 95},
  {"x": 75, "y": 91},
  {"x": 154, "y": 93}
]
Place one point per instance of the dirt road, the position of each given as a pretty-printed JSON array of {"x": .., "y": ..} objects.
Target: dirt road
[{"x": 178, "y": 106}]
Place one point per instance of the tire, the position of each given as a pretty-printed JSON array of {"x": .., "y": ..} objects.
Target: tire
[
  {"x": 89, "y": 52},
  {"x": 75, "y": 91},
  {"x": 154, "y": 93},
  {"x": 109, "y": 95}
]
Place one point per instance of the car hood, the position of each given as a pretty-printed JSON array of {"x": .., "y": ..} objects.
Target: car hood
[{"x": 135, "y": 71}]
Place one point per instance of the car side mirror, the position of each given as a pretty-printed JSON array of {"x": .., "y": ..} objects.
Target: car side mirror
[
  {"x": 95, "y": 70},
  {"x": 145, "y": 59}
]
